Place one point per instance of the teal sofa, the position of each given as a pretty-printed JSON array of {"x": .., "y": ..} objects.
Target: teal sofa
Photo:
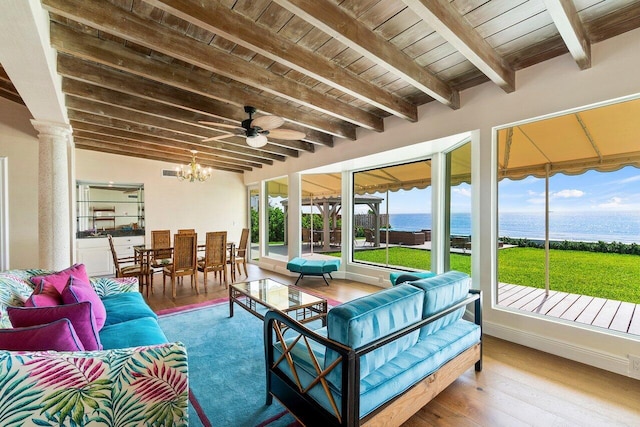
[
  {"x": 380, "y": 358},
  {"x": 137, "y": 378}
]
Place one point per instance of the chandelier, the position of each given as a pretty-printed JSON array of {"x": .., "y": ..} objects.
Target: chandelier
[{"x": 193, "y": 171}]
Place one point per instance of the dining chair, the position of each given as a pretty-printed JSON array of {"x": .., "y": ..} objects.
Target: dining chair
[
  {"x": 215, "y": 256},
  {"x": 184, "y": 262},
  {"x": 242, "y": 252},
  {"x": 160, "y": 239},
  {"x": 187, "y": 231},
  {"x": 128, "y": 267}
]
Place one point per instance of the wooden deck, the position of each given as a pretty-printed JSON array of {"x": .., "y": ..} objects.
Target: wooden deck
[{"x": 604, "y": 313}]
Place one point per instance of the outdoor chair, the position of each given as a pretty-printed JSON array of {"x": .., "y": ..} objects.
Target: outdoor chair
[{"x": 369, "y": 237}]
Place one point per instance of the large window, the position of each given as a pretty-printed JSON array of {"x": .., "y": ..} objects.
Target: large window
[
  {"x": 458, "y": 242},
  {"x": 277, "y": 191},
  {"x": 321, "y": 213},
  {"x": 569, "y": 215},
  {"x": 392, "y": 216},
  {"x": 254, "y": 223}
]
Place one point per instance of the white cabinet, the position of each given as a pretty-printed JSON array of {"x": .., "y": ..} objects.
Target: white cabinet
[{"x": 95, "y": 254}]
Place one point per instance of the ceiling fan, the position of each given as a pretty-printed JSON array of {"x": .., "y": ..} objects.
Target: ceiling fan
[{"x": 256, "y": 130}]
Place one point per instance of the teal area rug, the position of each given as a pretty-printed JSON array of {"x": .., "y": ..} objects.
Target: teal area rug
[{"x": 226, "y": 367}]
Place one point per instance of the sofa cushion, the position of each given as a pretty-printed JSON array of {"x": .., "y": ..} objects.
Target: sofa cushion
[
  {"x": 79, "y": 314},
  {"x": 440, "y": 292},
  {"x": 43, "y": 296},
  {"x": 59, "y": 279},
  {"x": 407, "y": 276},
  {"x": 78, "y": 290},
  {"x": 363, "y": 320},
  {"x": 126, "y": 306},
  {"x": 132, "y": 333},
  {"x": 57, "y": 336}
]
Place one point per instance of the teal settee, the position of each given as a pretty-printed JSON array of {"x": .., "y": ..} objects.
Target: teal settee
[
  {"x": 137, "y": 378},
  {"x": 380, "y": 358}
]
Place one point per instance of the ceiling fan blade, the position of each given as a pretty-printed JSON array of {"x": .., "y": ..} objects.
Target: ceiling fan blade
[
  {"x": 288, "y": 134},
  {"x": 222, "y": 125},
  {"x": 267, "y": 122}
]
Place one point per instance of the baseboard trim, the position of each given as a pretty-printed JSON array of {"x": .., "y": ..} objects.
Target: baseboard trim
[{"x": 608, "y": 362}]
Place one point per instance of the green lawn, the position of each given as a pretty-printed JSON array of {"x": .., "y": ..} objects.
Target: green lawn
[{"x": 604, "y": 275}]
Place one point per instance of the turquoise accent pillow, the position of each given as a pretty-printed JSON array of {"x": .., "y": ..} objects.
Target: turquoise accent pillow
[
  {"x": 126, "y": 306},
  {"x": 133, "y": 333}
]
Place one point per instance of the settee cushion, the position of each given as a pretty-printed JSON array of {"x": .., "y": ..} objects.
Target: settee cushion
[
  {"x": 407, "y": 276},
  {"x": 57, "y": 336},
  {"x": 363, "y": 320},
  {"x": 440, "y": 292},
  {"x": 313, "y": 266},
  {"x": 132, "y": 333},
  {"x": 78, "y": 290},
  {"x": 79, "y": 314},
  {"x": 126, "y": 306}
]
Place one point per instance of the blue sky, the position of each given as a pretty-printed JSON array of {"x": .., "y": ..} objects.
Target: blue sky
[{"x": 591, "y": 191}]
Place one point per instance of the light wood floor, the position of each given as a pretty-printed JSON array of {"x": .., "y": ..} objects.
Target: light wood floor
[{"x": 518, "y": 386}]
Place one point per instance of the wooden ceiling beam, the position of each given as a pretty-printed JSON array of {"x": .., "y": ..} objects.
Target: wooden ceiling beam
[
  {"x": 565, "y": 17},
  {"x": 74, "y": 103},
  {"x": 87, "y": 72},
  {"x": 117, "y": 56},
  {"x": 103, "y": 147},
  {"x": 113, "y": 20},
  {"x": 220, "y": 20},
  {"x": 442, "y": 17},
  {"x": 177, "y": 156},
  {"x": 99, "y": 134},
  {"x": 108, "y": 96},
  {"x": 178, "y": 144},
  {"x": 330, "y": 18}
]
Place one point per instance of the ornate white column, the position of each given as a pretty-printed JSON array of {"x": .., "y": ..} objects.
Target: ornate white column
[{"x": 54, "y": 229}]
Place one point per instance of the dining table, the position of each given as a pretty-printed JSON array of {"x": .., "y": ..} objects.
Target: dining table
[{"x": 144, "y": 256}]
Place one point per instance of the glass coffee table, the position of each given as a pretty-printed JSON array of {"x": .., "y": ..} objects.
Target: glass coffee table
[{"x": 269, "y": 294}]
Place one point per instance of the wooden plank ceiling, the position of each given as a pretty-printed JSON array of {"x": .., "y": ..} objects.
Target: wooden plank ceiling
[{"x": 141, "y": 76}]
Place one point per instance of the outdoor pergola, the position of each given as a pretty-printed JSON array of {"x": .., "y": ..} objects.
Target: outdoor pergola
[{"x": 329, "y": 208}]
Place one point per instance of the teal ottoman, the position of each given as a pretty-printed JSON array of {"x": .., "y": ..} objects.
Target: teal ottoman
[
  {"x": 409, "y": 276},
  {"x": 313, "y": 267}
]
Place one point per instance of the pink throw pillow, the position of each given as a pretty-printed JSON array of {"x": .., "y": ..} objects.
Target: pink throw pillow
[
  {"x": 59, "y": 280},
  {"x": 79, "y": 290},
  {"x": 80, "y": 315},
  {"x": 57, "y": 336},
  {"x": 43, "y": 296}
]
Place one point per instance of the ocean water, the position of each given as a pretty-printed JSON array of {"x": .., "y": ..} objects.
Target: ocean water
[{"x": 573, "y": 226}]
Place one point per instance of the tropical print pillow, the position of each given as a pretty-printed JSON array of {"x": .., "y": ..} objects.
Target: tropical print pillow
[
  {"x": 15, "y": 288},
  {"x": 141, "y": 386}
]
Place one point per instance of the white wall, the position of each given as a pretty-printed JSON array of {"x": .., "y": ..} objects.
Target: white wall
[
  {"x": 546, "y": 88},
  {"x": 215, "y": 205},
  {"x": 19, "y": 143}
]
